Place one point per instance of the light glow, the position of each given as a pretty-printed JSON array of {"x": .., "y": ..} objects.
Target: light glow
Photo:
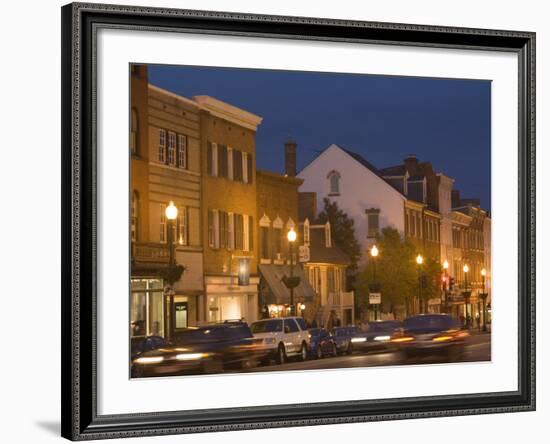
[
  {"x": 382, "y": 338},
  {"x": 149, "y": 360},
  {"x": 291, "y": 235},
  {"x": 171, "y": 211},
  {"x": 445, "y": 264},
  {"x": 419, "y": 259},
  {"x": 358, "y": 339},
  {"x": 190, "y": 356},
  {"x": 466, "y": 269},
  {"x": 374, "y": 251}
]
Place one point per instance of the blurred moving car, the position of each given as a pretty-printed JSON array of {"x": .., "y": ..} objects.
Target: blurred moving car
[
  {"x": 284, "y": 337},
  {"x": 377, "y": 336},
  {"x": 141, "y": 344},
  {"x": 321, "y": 343},
  {"x": 342, "y": 338},
  {"x": 210, "y": 348},
  {"x": 432, "y": 334}
]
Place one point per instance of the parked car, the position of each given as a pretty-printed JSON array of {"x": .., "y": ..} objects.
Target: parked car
[
  {"x": 342, "y": 338},
  {"x": 433, "y": 334},
  {"x": 211, "y": 348},
  {"x": 321, "y": 343},
  {"x": 284, "y": 337},
  {"x": 377, "y": 336}
]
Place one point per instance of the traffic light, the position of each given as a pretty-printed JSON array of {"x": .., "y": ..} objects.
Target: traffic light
[{"x": 444, "y": 282}]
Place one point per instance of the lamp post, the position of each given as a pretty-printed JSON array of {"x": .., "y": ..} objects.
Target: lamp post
[
  {"x": 420, "y": 261},
  {"x": 171, "y": 213},
  {"x": 374, "y": 255},
  {"x": 466, "y": 269},
  {"x": 484, "y": 298},
  {"x": 446, "y": 284},
  {"x": 291, "y": 236}
]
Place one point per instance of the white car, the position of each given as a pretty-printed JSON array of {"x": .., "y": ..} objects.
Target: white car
[{"x": 285, "y": 337}]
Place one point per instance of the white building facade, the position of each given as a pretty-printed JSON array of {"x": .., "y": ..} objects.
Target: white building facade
[{"x": 355, "y": 185}]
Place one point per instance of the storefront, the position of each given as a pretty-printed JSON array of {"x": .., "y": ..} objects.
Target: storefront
[
  {"x": 147, "y": 307},
  {"x": 225, "y": 299}
]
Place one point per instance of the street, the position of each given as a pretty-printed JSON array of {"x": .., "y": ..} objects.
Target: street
[{"x": 477, "y": 349}]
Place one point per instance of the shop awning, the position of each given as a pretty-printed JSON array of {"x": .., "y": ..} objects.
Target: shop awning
[{"x": 279, "y": 293}]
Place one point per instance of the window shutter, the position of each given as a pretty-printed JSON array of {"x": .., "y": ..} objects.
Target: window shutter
[
  {"x": 251, "y": 232},
  {"x": 249, "y": 167},
  {"x": 209, "y": 159}
]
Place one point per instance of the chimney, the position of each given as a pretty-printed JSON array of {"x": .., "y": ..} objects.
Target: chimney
[
  {"x": 411, "y": 163},
  {"x": 290, "y": 158},
  {"x": 455, "y": 199}
]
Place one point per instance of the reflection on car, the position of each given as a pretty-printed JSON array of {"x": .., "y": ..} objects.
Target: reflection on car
[
  {"x": 210, "y": 348},
  {"x": 284, "y": 337},
  {"x": 377, "y": 336},
  {"x": 432, "y": 334},
  {"x": 141, "y": 344},
  {"x": 321, "y": 343}
]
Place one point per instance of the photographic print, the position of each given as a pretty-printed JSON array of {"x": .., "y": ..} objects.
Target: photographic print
[{"x": 292, "y": 220}]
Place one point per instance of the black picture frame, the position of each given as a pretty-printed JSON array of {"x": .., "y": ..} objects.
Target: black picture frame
[{"x": 80, "y": 420}]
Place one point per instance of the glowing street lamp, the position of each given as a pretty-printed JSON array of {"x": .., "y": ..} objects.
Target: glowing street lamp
[
  {"x": 374, "y": 254},
  {"x": 445, "y": 283},
  {"x": 420, "y": 261},
  {"x": 171, "y": 214},
  {"x": 291, "y": 236},
  {"x": 484, "y": 298}
]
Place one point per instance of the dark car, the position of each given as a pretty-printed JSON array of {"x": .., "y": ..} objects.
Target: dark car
[
  {"x": 142, "y": 344},
  {"x": 321, "y": 343},
  {"x": 342, "y": 338},
  {"x": 207, "y": 349},
  {"x": 377, "y": 336},
  {"x": 432, "y": 334}
]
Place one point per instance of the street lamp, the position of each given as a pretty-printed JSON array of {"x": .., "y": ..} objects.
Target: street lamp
[
  {"x": 420, "y": 261},
  {"x": 291, "y": 236},
  {"x": 446, "y": 284},
  {"x": 171, "y": 214},
  {"x": 484, "y": 298},
  {"x": 374, "y": 254},
  {"x": 466, "y": 269}
]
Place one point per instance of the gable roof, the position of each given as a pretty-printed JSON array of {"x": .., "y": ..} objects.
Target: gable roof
[
  {"x": 397, "y": 170},
  {"x": 320, "y": 253}
]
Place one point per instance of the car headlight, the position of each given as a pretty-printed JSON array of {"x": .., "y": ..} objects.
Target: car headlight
[
  {"x": 382, "y": 338},
  {"x": 269, "y": 341},
  {"x": 190, "y": 356},
  {"x": 358, "y": 339},
  {"x": 149, "y": 360}
]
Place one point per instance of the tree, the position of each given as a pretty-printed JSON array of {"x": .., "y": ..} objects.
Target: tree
[
  {"x": 396, "y": 271},
  {"x": 342, "y": 233}
]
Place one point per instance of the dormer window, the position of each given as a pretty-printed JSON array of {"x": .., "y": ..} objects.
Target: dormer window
[
  {"x": 328, "y": 238},
  {"x": 334, "y": 182}
]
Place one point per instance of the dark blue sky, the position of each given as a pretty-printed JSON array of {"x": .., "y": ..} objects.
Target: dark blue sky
[{"x": 384, "y": 118}]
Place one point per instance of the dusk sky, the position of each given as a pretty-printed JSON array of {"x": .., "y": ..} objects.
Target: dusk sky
[{"x": 383, "y": 118}]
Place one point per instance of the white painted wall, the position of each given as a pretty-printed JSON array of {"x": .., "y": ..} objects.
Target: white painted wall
[{"x": 360, "y": 189}]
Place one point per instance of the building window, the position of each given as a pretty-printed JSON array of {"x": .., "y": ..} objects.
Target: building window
[
  {"x": 264, "y": 242},
  {"x": 222, "y": 161},
  {"x": 171, "y": 148},
  {"x": 250, "y": 233},
  {"x": 134, "y": 128},
  {"x": 231, "y": 231},
  {"x": 373, "y": 222},
  {"x": 134, "y": 221},
  {"x": 162, "y": 232},
  {"x": 182, "y": 151},
  {"x": 334, "y": 182},
  {"x": 182, "y": 226},
  {"x": 213, "y": 228},
  {"x": 162, "y": 146},
  {"x": 237, "y": 166},
  {"x": 277, "y": 243},
  {"x": 230, "y": 163},
  {"x": 245, "y": 167}
]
